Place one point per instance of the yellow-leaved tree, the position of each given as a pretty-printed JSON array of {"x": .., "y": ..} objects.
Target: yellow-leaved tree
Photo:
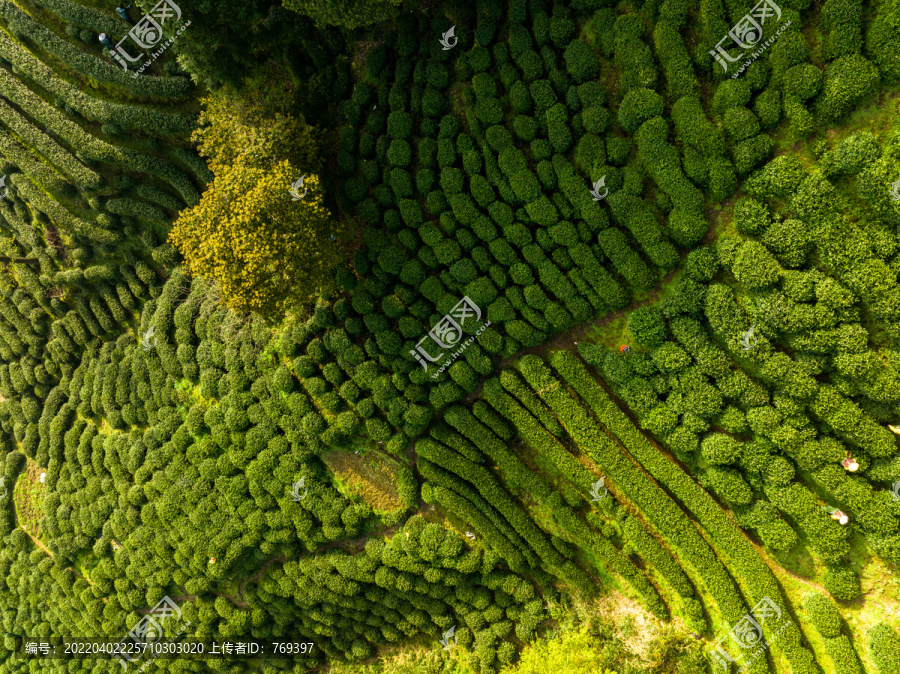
[{"x": 265, "y": 248}]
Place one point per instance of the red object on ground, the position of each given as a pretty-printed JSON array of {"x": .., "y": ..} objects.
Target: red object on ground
[{"x": 624, "y": 348}]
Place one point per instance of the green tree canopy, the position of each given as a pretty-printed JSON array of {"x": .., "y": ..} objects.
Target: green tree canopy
[{"x": 265, "y": 248}]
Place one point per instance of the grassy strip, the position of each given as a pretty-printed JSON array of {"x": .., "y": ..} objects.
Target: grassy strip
[
  {"x": 61, "y": 215},
  {"x": 51, "y": 118},
  {"x": 494, "y": 494},
  {"x": 647, "y": 496},
  {"x": 730, "y": 542},
  {"x": 468, "y": 504},
  {"x": 124, "y": 115},
  {"x": 54, "y": 153},
  {"x": 512, "y": 466},
  {"x": 90, "y": 66},
  {"x": 49, "y": 179}
]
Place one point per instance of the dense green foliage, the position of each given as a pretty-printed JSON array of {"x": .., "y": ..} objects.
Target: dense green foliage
[{"x": 352, "y": 474}]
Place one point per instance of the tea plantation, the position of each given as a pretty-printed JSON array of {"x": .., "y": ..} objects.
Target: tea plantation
[{"x": 608, "y": 341}]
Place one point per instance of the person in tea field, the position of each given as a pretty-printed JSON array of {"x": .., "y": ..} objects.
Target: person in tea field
[
  {"x": 838, "y": 515},
  {"x": 122, "y": 11},
  {"x": 106, "y": 42}
]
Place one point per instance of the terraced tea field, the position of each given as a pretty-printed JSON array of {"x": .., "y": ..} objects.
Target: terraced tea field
[{"x": 497, "y": 336}]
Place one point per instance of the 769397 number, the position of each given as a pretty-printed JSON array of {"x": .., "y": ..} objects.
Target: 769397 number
[{"x": 289, "y": 648}]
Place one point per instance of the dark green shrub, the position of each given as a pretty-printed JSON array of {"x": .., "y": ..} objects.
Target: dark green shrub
[
  {"x": 484, "y": 86},
  {"x": 729, "y": 485},
  {"x": 740, "y": 123},
  {"x": 754, "y": 266},
  {"x": 399, "y": 153},
  {"x": 596, "y": 120},
  {"x": 847, "y": 81},
  {"x": 884, "y": 647},
  {"x": 802, "y": 81},
  {"x": 531, "y": 65},
  {"x": 720, "y": 449},
  {"x": 525, "y": 127},
  {"x": 543, "y": 95},
  {"x": 751, "y": 217},
  {"x": 824, "y": 615},
  {"x": 841, "y": 582},
  {"x": 558, "y": 129},
  {"x": 647, "y": 327},
  {"x": 581, "y": 63},
  {"x": 617, "y": 149},
  {"x": 399, "y": 125},
  {"x": 842, "y": 24},
  {"x": 767, "y": 107},
  {"x": 751, "y": 153},
  {"x": 851, "y": 155},
  {"x": 638, "y": 106},
  {"x": 780, "y": 177},
  {"x": 670, "y": 358},
  {"x": 446, "y": 152},
  {"x": 789, "y": 240}
]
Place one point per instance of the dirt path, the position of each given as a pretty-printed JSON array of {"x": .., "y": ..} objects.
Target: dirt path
[
  {"x": 566, "y": 339},
  {"x": 36, "y": 541}
]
